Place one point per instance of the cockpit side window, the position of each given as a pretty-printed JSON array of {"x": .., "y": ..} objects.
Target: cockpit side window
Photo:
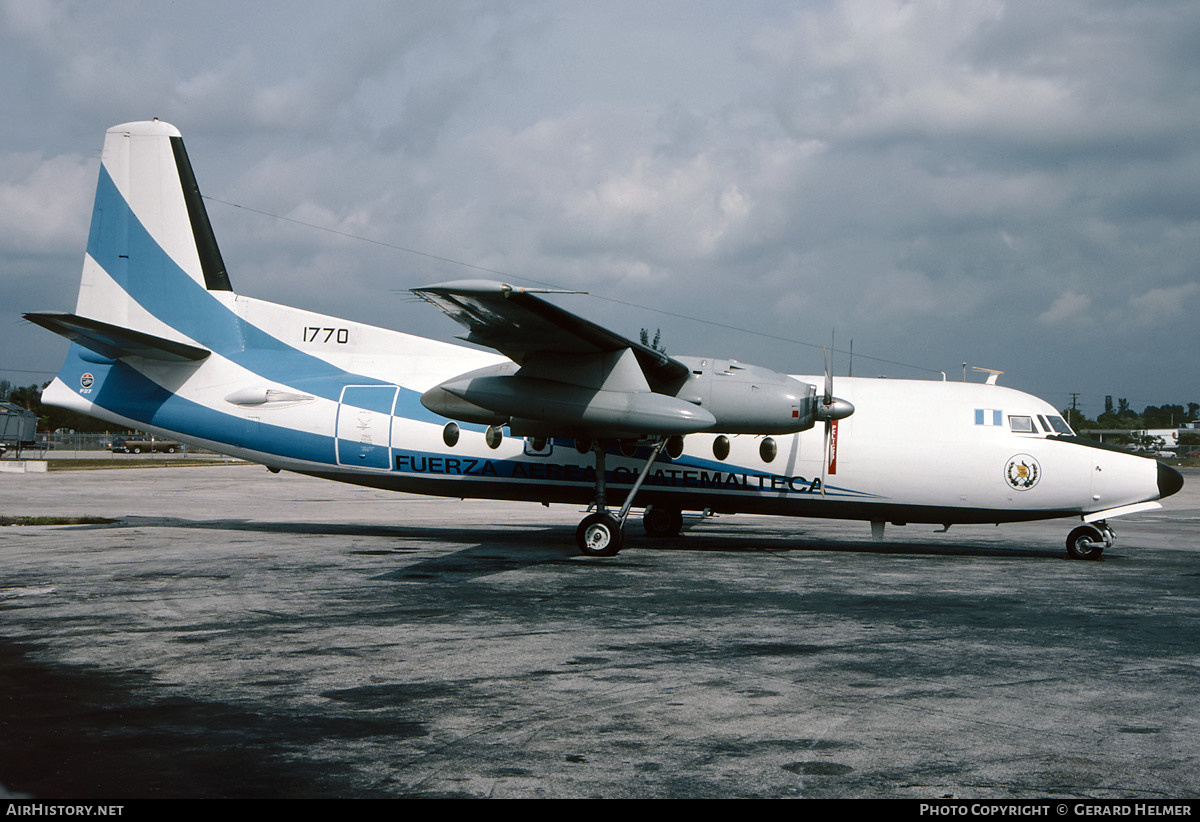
[{"x": 1020, "y": 425}]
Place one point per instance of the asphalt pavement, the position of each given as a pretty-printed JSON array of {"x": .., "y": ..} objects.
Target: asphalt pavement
[{"x": 236, "y": 633}]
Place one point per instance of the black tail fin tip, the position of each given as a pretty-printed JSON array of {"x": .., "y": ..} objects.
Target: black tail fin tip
[{"x": 215, "y": 276}]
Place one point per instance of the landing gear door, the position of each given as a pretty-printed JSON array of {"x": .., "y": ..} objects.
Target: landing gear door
[{"x": 364, "y": 426}]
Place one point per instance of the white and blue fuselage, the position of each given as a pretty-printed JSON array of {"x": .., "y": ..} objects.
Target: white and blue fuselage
[{"x": 161, "y": 343}]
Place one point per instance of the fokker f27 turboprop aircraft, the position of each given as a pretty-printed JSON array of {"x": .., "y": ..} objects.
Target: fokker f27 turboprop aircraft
[{"x": 565, "y": 412}]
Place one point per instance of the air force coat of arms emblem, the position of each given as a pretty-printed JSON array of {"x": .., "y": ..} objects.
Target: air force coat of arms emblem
[{"x": 1022, "y": 472}]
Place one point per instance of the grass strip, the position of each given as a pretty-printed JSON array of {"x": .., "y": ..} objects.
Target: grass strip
[
  {"x": 56, "y": 520},
  {"x": 93, "y": 464}
]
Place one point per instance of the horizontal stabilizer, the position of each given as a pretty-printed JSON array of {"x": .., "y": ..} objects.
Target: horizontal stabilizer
[{"x": 113, "y": 341}]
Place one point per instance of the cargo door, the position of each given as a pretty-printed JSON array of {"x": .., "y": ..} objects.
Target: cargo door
[{"x": 364, "y": 426}]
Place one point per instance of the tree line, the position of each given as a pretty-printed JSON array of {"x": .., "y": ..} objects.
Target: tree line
[{"x": 1120, "y": 415}]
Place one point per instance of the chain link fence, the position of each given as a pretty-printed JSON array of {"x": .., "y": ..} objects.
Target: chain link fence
[{"x": 91, "y": 444}]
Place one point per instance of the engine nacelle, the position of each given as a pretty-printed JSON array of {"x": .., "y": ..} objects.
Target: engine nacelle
[
  {"x": 749, "y": 399},
  {"x": 718, "y": 396}
]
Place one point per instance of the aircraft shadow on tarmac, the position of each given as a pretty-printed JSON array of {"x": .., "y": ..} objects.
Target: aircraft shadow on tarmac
[{"x": 533, "y": 543}]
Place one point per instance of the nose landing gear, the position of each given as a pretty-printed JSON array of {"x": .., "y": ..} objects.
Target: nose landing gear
[{"x": 1089, "y": 541}]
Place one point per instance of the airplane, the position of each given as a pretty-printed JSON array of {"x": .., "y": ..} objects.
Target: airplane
[{"x": 541, "y": 405}]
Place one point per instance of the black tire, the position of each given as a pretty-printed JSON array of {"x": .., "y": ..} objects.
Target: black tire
[
  {"x": 662, "y": 522},
  {"x": 1085, "y": 542},
  {"x": 600, "y": 535},
  {"x": 171, "y": 450},
  {"x": 137, "y": 450}
]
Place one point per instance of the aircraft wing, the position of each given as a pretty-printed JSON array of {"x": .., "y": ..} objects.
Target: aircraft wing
[
  {"x": 517, "y": 323},
  {"x": 577, "y": 378}
]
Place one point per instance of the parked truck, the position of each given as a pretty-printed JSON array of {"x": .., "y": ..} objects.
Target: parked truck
[
  {"x": 140, "y": 445},
  {"x": 18, "y": 427}
]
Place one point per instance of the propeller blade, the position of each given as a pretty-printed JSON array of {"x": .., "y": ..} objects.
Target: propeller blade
[
  {"x": 828, "y": 377},
  {"x": 829, "y": 410}
]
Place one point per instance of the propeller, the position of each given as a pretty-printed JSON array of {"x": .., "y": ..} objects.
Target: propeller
[
  {"x": 830, "y": 409},
  {"x": 826, "y": 404}
]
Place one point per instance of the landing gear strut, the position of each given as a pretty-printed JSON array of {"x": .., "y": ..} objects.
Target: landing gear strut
[
  {"x": 1089, "y": 541},
  {"x": 603, "y": 533}
]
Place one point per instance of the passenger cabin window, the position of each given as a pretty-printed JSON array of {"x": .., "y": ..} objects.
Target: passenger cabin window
[{"x": 1021, "y": 425}]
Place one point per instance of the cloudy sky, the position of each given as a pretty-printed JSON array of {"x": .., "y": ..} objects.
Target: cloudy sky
[{"x": 1014, "y": 185}]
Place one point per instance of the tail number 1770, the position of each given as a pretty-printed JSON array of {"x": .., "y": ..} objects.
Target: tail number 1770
[{"x": 323, "y": 335}]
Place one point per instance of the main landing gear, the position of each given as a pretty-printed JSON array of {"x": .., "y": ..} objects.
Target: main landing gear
[
  {"x": 602, "y": 533},
  {"x": 1089, "y": 541},
  {"x": 660, "y": 521}
]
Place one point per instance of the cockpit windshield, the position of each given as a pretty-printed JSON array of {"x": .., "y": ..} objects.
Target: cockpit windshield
[
  {"x": 1060, "y": 426},
  {"x": 1046, "y": 424}
]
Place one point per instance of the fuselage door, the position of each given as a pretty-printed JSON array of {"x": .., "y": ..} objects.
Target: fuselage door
[{"x": 364, "y": 426}]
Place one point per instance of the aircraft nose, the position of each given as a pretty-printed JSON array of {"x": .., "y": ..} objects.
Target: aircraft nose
[{"x": 1169, "y": 480}]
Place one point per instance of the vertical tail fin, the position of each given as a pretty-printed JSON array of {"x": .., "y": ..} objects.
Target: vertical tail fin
[{"x": 152, "y": 263}]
